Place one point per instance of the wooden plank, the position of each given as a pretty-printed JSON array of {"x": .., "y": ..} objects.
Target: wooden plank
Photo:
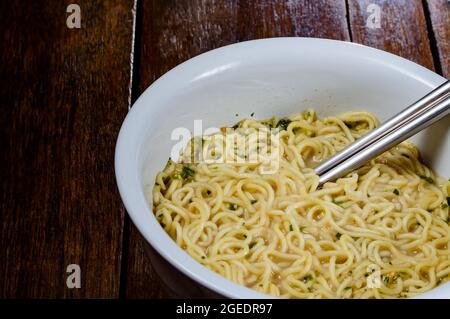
[
  {"x": 402, "y": 31},
  {"x": 439, "y": 13},
  {"x": 295, "y": 18},
  {"x": 174, "y": 31},
  {"x": 64, "y": 93}
]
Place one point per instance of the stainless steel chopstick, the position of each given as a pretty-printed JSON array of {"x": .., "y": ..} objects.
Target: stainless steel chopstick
[
  {"x": 387, "y": 127},
  {"x": 438, "y": 109}
]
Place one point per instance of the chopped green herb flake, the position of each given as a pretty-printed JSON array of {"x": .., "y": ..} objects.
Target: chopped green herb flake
[
  {"x": 396, "y": 192},
  {"x": 308, "y": 278},
  {"x": 252, "y": 244},
  {"x": 187, "y": 172},
  {"x": 347, "y": 288},
  {"x": 338, "y": 236},
  {"x": 253, "y": 201},
  {"x": 291, "y": 228},
  {"x": 252, "y": 114},
  {"x": 232, "y": 206},
  {"x": 448, "y": 200},
  {"x": 427, "y": 179},
  {"x": 283, "y": 124}
]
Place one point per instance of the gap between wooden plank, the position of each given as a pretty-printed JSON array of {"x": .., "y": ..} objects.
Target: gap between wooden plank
[
  {"x": 135, "y": 62},
  {"x": 431, "y": 38}
]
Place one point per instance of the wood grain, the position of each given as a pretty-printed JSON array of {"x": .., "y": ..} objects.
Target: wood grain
[
  {"x": 403, "y": 29},
  {"x": 64, "y": 93},
  {"x": 275, "y": 18},
  {"x": 439, "y": 13},
  {"x": 174, "y": 31}
]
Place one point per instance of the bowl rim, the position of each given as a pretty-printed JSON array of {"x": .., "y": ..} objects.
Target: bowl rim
[{"x": 127, "y": 175}]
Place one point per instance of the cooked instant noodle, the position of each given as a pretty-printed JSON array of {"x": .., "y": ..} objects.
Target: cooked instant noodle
[{"x": 382, "y": 231}]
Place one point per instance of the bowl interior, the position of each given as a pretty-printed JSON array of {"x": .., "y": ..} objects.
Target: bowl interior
[{"x": 266, "y": 77}]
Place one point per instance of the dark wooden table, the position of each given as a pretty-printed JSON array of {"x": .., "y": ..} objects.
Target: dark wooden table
[{"x": 64, "y": 93}]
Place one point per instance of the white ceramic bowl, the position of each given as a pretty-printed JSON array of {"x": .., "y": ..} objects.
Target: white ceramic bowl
[{"x": 268, "y": 77}]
